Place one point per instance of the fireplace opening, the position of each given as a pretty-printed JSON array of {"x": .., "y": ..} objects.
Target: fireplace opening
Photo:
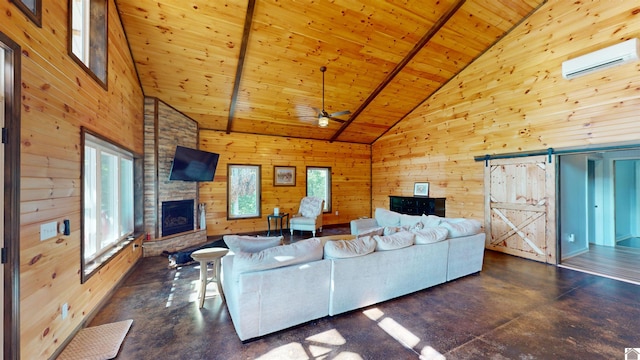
[{"x": 177, "y": 216}]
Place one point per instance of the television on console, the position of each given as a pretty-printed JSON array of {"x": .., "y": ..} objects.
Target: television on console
[{"x": 193, "y": 165}]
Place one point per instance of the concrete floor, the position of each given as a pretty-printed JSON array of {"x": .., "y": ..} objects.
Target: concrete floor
[{"x": 513, "y": 309}]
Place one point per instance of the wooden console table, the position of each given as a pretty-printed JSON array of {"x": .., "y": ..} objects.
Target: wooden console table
[{"x": 415, "y": 205}]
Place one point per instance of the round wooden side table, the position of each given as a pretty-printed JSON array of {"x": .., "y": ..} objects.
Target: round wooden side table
[{"x": 204, "y": 256}]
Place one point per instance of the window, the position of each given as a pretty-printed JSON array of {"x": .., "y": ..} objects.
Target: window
[
  {"x": 108, "y": 200},
  {"x": 31, "y": 8},
  {"x": 88, "y": 37},
  {"x": 243, "y": 191},
  {"x": 319, "y": 184}
]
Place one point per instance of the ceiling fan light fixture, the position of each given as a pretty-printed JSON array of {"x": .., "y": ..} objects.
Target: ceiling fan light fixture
[{"x": 323, "y": 121}]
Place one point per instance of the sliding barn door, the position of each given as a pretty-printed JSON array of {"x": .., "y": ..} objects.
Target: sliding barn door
[{"x": 520, "y": 207}]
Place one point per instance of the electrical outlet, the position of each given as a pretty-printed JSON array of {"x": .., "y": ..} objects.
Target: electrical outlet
[
  {"x": 336, "y": 212},
  {"x": 48, "y": 230},
  {"x": 65, "y": 310}
]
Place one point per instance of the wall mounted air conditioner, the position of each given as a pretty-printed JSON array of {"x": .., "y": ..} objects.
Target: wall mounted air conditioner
[{"x": 601, "y": 59}]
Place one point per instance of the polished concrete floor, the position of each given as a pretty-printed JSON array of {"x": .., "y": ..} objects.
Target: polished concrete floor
[{"x": 513, "y": 309}]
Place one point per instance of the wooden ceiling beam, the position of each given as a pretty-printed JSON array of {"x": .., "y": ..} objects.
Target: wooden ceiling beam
[
  {"x": 419, "y": 45},
  {"x": 248, "y": 20}
]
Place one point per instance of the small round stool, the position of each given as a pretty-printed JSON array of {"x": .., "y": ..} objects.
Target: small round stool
[{"x": 204, "y": 256}]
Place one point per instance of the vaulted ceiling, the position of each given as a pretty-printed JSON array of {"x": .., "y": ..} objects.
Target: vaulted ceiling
[{"x": 253, "y": 66}]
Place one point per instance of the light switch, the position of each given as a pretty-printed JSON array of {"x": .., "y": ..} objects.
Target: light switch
[{"x": 48, "y": 230}]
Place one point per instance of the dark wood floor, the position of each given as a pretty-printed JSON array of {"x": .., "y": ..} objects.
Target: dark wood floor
[{"x": 513, "y": 309}]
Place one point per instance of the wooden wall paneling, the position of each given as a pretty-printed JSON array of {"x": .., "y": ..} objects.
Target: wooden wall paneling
[
  {"x": 513, "y": 98},
  {"x": 58, "y": 97},
  {"x": 350, "y": 177}
]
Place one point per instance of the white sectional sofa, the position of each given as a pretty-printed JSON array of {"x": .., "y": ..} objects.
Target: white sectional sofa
[{"x": 270, "y": 287}]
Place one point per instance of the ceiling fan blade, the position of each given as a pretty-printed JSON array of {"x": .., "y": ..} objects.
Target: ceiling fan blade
[
  {"x": 337, "y": 120},
  {"x": 339, "y": 113}
]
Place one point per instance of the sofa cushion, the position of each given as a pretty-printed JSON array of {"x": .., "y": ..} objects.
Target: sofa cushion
[
  {"x": 431, "y": 235},
  {"x": 251, "y": 244},
  {"x": 430, "y": 220},
  {"x": 461, "y": 227},
  {"x": 278, "y": 256},
  {"x": 398, "y": 240},
  {"x": 301, "y": 220},
  {"x": 386, "y": 217},
  {"x": 340, "y": 249}
]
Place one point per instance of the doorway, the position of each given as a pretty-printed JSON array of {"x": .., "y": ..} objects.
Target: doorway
[
  {"x": 10, "y": 66},
  {"x": 2, "y": 115},
  {"x": 599, "y": 203}
]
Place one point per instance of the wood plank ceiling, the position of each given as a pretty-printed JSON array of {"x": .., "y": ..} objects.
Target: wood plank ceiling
[{"x": 253, "y": 66}]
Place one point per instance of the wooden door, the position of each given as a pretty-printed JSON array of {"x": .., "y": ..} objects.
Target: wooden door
[{"x": 520, "y": 207}]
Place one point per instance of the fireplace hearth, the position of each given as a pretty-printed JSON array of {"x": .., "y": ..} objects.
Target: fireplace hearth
[{"x": 177, "y": 216}]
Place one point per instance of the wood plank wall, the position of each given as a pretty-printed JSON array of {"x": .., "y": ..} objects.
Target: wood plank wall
[
  {"x": 513, "y": 98},
  {"x": 350, "y": 168},
  {"x": 58, "y": 98}
]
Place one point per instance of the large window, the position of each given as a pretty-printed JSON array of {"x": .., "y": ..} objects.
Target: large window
[
  {"x": 108, "y": 200},
  {"x": 319, "y": 185},
  {"x": 243, "y": 191},
  {"x": 88, "y": 36}
]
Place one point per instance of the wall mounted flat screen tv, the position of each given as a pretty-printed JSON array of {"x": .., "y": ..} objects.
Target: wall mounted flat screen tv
[{"x": 193, "y": 165}]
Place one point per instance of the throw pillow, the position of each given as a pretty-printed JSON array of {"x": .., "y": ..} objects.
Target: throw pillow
[
  {"x": 390, "y": 230},
  {"x": 431, "y": 235},
  {"x": 462, "y": 227},
  {"x": 398, "y": 240},
  {"x": 299, "y": 252},
  {"x": 418, "y": 226},
  {"x": 341, "y": 249},
  {"x": 430, "y": 220},
  {"x": 251, "y": 244},
  {"x": 409, "y": 220},
  {"x": 386, "y": 217}
]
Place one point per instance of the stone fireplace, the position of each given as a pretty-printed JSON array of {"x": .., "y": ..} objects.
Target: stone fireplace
[
  {"x": 164, "y": 129},
  {"x": 177, "y": 216}
]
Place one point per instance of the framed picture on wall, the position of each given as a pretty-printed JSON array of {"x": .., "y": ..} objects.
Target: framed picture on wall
[
  {"x": 284, "y": 176},
  {"x": 421, "y": 189}
]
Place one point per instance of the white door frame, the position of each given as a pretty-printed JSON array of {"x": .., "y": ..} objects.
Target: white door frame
[{"x": 598, "y": 202}]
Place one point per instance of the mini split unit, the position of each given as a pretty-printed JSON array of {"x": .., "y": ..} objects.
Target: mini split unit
[{"x": 604, "y": 58}]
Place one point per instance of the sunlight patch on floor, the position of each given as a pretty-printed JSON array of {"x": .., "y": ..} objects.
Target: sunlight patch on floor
[
  {"x": 330, "y": 337},
  {"x": 429, "y": 353},
  {"x": 399, "y": 332},
  {"x": 319, "y": 346},
  {"x": 402, "y": 334},
  {"x": 172, "y": 291},
  {"x": 288, "y": 351}
]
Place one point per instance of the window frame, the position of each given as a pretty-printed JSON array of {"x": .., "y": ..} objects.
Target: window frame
[
  {"x": 258, "y": 196},
  {"x": 97, "y": 39},
  {"x": 327, "y": 200},
  {"x": 91, "y": 265},
  {"x": 34, "y": 14}
]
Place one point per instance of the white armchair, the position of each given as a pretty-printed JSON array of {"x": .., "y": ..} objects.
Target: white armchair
[{"x": 309, "y": 216}]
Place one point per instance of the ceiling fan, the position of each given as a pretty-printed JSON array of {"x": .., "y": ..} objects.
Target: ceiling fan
[{"x": 323, "y": 115}]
